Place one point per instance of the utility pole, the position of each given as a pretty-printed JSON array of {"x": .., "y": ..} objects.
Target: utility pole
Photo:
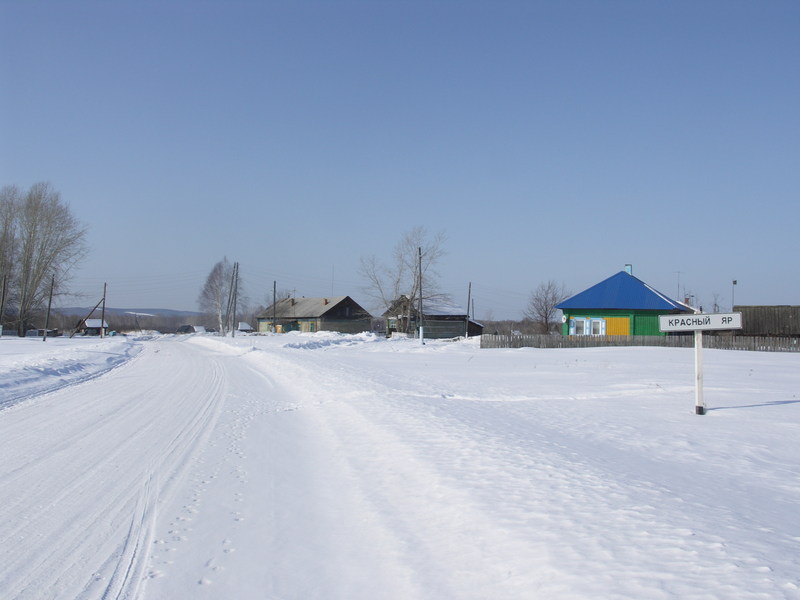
[
  {"x": 235, "y": 323},
  {"x": 421, "y": 329},
  {"x": 229, "y": 309},
  {"x": 103, "y": 313},
  {"x": 49, "y": 304},
  {"x": 469, "y": 297},
  {"x": 274, "y": 306}
]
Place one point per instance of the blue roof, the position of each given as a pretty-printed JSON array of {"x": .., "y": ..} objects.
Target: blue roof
[{"x": 622, "y": 292}]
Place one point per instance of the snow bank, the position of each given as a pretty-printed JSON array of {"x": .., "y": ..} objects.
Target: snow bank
[{"x": 29, "y": 367}]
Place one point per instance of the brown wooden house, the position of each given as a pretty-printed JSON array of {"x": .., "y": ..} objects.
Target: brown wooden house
[{"x": 341, "y": 313}]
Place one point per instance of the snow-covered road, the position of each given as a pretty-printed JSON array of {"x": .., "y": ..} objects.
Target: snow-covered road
[
  {"x": 83, "y": 470},
  {"x": 351, "y": 467}
]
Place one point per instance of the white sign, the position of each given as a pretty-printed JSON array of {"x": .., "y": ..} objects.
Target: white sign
[{"x": 700, "y": 322}]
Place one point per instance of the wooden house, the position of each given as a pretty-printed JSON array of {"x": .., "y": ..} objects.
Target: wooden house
[
  {"x": 619, "y": 305},
  {"x": 441, "y": 319},
  {"x": 342, "y": 314}
]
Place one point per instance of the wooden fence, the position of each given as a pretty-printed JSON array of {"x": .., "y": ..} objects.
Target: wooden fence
[
  {"x": 720, "y": 342},
  {"x": 773, "y": 320}
]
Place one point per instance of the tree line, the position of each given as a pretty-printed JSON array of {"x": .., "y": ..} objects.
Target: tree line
[{"x": 41, "y": 241}]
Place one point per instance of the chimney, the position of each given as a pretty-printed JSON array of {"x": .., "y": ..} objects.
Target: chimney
[
  {"x": 292, "y": 301},
  {"x": 629, "y": 269},
  {"x": 325, "y": 301}
]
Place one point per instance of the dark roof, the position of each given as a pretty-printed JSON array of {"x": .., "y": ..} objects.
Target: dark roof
[
  {"x": 310, "y": 308},
  {"x": 622, "y": 291},
  {"x": 431, "y": 307}
]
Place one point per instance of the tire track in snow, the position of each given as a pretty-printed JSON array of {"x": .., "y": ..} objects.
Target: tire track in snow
[
  {"x": 126, "y": 580},
  {"x": 92, "y": 494}
]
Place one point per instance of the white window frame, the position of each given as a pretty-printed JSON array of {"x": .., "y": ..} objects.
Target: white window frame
[{"x": 587, "y": 326}]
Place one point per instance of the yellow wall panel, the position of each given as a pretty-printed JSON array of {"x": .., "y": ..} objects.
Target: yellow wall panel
[{"x": 618, "y": 326}]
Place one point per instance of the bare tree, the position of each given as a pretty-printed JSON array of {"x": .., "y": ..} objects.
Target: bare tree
[
  {"x": 542, "y": 304},
  {"x": 386, "y": 284},
  {"x": 46, "y": 241},
  {"x": 9, "y": 200},
  {"x": 216, "y": 293}
]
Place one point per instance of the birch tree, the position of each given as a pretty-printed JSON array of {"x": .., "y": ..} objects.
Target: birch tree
[
  {"x": 9, "y": 199},
  {"x": 40, "y": 240},
  {"x": 216, "y": 293},
  {"x": 9, "y": 196}
]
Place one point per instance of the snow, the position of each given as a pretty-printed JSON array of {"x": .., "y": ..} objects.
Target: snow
[{"x": 331, "y": 466}]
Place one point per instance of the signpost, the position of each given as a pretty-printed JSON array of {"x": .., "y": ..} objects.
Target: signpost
[{"x": 699, "y": 323}]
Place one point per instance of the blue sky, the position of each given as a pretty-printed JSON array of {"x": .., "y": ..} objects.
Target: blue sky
[{"x": 549, "y": 140}]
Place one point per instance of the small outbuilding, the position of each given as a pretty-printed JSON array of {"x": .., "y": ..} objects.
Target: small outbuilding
[
  {"x": 619, "y": 305},
  {"x": 340, "y": 313},
  {"x": 93, "y": 327}
]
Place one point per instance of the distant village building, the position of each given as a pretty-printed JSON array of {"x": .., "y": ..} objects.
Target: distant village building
[
  {"x": 340, "y": 313},
  {"x": 441, "y": 319},
  {"x": 619, "y": 305},
  {"x": 93, "y": 327}
]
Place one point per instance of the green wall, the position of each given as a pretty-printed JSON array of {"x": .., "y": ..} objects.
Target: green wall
[{"x": 642, "y": 322}]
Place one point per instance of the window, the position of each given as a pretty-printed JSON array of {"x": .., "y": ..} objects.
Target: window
[{"x": 587, "y": 326}]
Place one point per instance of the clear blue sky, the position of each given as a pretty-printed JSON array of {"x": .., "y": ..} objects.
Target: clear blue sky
[{"x": 549, "y": 140}]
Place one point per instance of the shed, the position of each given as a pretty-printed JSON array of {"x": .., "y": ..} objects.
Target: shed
[
  {"x": 340, "y": 313},
  {"x": 94, "y": 327},
  {"x": 619, "y": 305}
]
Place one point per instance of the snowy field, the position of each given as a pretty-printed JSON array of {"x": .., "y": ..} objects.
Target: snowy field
[{"x": 351, "y": 467}]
